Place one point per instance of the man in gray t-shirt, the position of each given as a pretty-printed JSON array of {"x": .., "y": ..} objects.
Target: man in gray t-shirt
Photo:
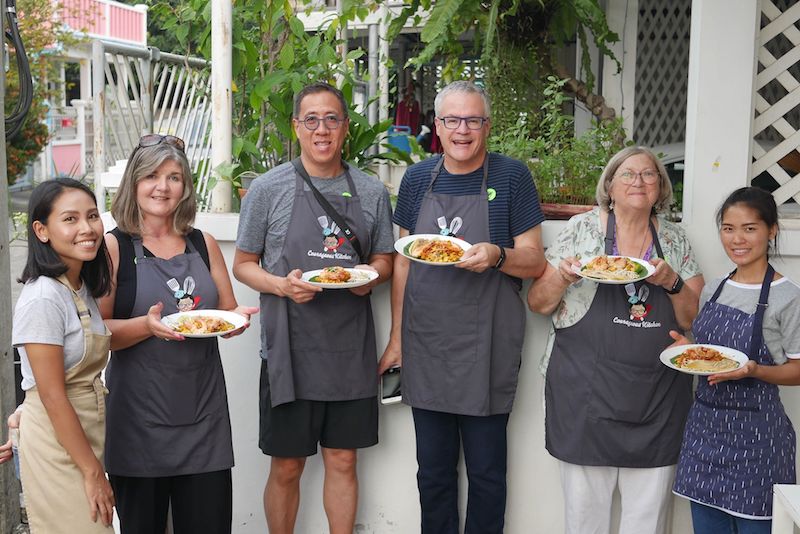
[{"x": 316, "y": 217}]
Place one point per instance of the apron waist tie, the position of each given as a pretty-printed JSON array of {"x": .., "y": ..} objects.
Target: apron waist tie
[
  {"x": 100, "y": 391},
  {"x": 97, "y": 388}
]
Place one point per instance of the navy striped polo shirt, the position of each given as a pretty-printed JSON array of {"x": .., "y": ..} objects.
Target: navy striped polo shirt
[{"x": 514, "y": 210}]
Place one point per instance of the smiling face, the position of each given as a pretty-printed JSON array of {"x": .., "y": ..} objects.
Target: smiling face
[
  {"x": 159, "y": 193},
  {"x": 637, "y": 195},
  {"x": 745, "y": 236},
  {"x": 321, "y": 149},
  {"x": 73, "y": 229},
  {"x": 464, "y": 149}
]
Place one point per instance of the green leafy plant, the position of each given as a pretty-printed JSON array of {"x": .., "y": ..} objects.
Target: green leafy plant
[
  {"x": 501, "y": 27},
  {"x": 565, "y": 168},
  {"x": 273, "y": 58},
  {"x": 19, "y": 221}
]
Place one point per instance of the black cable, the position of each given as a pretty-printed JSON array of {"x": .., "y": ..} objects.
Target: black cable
[{"x": 16, "y": 119}]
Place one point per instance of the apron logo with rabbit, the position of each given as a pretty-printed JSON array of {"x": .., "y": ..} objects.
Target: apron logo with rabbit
[
  {"x": 451, "y": 229},
  {"x": 331, "y": 241},
  {"x": 638, "y": 308},
  {"x": 184, "y": 298}
]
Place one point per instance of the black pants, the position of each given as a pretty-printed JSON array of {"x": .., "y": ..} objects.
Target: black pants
[
  {"x": 439, "y": 439},
  {"x": 200, "y": 503}
]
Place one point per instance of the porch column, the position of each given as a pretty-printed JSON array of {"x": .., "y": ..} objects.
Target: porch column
[
  {"x": 80, "y": 134},
  {"x": 221, "y": 100},
  {"x": 86, "y": 79},
  {"x": 719, "y": 118},
  {"x": 619, "y": 89}
]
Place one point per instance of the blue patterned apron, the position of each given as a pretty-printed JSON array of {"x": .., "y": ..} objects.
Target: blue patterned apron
[{"x": 738, "y": 441}]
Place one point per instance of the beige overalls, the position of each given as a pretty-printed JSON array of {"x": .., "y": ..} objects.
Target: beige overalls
[{"x": 53, "y": 485}]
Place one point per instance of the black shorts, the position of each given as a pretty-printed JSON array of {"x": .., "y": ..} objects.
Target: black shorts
[{"x": 294, "y": 429}]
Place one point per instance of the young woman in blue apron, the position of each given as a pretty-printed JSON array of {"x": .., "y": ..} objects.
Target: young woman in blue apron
[
  {"x": 169, "y": 435},
  {"x": 738, "y": 441}
]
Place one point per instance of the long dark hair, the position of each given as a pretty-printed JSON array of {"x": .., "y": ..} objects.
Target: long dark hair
[
  {"x": 43, "y": 260},
  {"x": 760, "y": 201}
]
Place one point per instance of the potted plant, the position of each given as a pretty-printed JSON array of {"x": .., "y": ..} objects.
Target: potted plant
[{"x": 565, "y": 168}]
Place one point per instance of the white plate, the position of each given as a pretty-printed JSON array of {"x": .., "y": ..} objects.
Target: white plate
[
  {"x": 237, "y": 320},
  {"x": 401, "y": 244},
  {"x": 647, "y": 265},
  {"x": 363, "y": 276},
  {"x": 669, "y": 354}
]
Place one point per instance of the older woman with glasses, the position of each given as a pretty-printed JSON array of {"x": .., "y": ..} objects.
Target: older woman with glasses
[
  {"x": 168, "y": 434},
  {"x": 614, "y": 413}
]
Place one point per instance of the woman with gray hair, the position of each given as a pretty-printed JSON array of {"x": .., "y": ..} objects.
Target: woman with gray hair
[
  {"x": 168, "y": 437},
  {"x": 614, "y": 413}
]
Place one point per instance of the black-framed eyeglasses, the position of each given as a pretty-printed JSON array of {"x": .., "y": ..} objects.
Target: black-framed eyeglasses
[
  {"x": 473, "y": 123},
  {"x": 331, "y": 122},
  {"x": 156, "y": 139}
]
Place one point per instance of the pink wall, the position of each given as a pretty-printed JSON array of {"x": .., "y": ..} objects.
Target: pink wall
[
  {"x": 67, "y": 159},
  {"x": 127, "y": 24},
  {"x": 124, "y": 22}
]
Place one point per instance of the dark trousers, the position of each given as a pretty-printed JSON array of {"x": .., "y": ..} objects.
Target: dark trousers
[
  {"x": 439, "y": 439},
  {"x": 200, "y": 503},
  {"x": 708, "y": 520}
]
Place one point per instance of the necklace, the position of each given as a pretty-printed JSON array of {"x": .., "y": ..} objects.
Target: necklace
[
  {"x": 636, "y": 299},
  {"x": 641, "y": 248}
]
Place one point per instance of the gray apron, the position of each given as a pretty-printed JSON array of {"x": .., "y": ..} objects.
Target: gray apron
[
  {"x": 167, "y": 403},
  {"x": 609, "y": 399},
  {"x": 323, "y": 350},
  {"x": 462, "y": 331}
]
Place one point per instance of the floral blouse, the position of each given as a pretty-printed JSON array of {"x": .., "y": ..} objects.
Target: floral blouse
[{"x": 583, "y": 237}]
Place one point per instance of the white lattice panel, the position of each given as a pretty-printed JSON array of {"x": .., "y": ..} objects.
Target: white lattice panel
[
  {"x": 662, "y": 64},
  {"x": 776, "y": 128}
]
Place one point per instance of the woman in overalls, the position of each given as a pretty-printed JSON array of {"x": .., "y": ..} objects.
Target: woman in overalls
[
  {"x": 738, "y": 441},
  {"x": 64, "y": 346},
  {"x": 169, "y": 432}
]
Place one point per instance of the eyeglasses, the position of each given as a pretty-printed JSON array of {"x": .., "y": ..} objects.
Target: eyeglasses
[
  {"x": 156, "y": 139},
  {"x": 648, "y": 176},
  {"x": 312, "y": 122},
  {"x": 473, "y": 123}
]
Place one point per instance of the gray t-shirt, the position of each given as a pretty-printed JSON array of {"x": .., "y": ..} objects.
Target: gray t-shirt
[
  {"x": 45, "y": 313},
  {"x": 781, "y": 318},
  {"x": 267, "y": 210}
]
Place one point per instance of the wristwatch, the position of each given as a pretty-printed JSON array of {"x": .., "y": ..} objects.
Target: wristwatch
[
  {"x": 502, "y": 259},
  {"x": 676, "y": 286}
]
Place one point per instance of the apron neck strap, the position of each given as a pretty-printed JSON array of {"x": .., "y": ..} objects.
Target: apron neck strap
[
  {"x": 756, "y": 337},
  {"x": 437, "y": 170},
  {"x": 611, "y": 228},
  {"x": 83, "y": 311},
  {"x": 138, "y": 247},
  {"x": 758, "y": 322}
]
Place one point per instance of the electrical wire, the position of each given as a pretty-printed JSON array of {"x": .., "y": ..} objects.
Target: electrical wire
[{"x": 16, "y": 119}]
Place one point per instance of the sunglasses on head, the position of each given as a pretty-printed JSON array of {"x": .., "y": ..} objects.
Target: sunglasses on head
[{"x": 156, "y": 139}]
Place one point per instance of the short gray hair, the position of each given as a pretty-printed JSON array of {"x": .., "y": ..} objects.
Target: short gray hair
[
  {"x": 664, "y": 185},
  {"x": 143, "y": 161},
  {"x": 463, "y": 87}
]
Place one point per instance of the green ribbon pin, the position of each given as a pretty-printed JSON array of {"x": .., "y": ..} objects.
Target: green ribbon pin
[{"x": 491, "y": 193}]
